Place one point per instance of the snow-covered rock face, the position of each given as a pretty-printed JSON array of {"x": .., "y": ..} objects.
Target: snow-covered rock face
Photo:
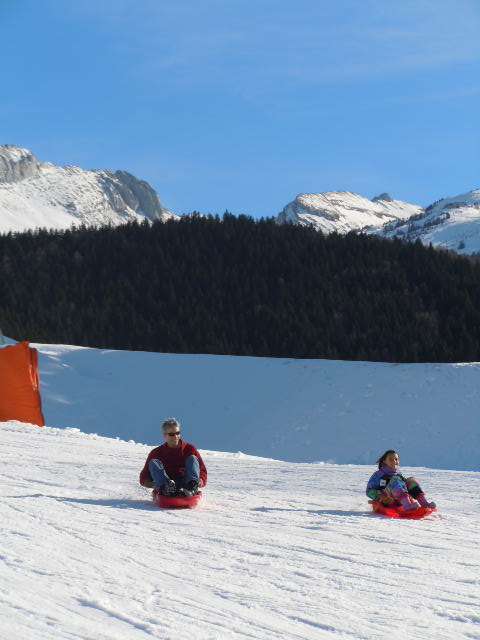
[
  {"x": 139, "y": 195},
  {"x": 342, "y": 211},
  {"x": 35, "y": 194},
  {"x": 16, "y": 164},
  {"x": 450, "y": 223}
]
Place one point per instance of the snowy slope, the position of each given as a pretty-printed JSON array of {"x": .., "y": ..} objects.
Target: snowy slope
[
  {"x": 279, "y": 550},
  {"x": 35, "y": 194},
  {"x": 451, "y": 223},
  {"x": 297, "y": 410},
  {"x": 342, "y": 211}
]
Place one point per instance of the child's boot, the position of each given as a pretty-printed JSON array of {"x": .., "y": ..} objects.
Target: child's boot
[
  {"x": 424, "y": 502},
  {"x": 408, "y": 503}
]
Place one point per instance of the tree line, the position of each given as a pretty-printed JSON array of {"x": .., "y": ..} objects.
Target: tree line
[{"x": 235, "y": 285}]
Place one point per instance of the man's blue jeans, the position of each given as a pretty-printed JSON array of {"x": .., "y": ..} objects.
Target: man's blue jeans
[{"x": 159, "y": 475}]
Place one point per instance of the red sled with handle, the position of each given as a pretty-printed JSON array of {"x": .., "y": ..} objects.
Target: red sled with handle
[
  {"x": 399, "y": 512},
  {"x": 176, "y": 502}
]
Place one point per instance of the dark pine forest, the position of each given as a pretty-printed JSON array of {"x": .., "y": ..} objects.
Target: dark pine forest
[{"x": 239, "y": 286}]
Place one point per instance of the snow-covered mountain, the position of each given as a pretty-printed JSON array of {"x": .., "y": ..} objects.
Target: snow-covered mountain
[
  {"x": 450, "y": 223},
  {"x": 342, "y": 211},
  {"x": 36, "y": 194}
]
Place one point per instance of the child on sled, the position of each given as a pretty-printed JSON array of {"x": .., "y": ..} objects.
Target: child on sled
[{"x": 389, "y": 487}]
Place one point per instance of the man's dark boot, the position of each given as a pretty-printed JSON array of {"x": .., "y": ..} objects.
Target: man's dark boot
[
  {"x": 190, "y": 489},
  {"x": 169, "y": 488}
]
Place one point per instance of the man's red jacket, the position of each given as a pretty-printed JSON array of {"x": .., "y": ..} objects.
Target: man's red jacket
[{"x": 173, "y": 459}]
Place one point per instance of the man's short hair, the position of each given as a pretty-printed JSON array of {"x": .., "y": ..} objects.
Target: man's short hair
[{"x": 169, "y": 423}]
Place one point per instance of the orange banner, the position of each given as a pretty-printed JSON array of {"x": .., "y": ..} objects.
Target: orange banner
[{"x": 19, "y": 385}]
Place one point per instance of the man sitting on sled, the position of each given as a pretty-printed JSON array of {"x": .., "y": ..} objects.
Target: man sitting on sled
[{"x": 175, "y": 468}]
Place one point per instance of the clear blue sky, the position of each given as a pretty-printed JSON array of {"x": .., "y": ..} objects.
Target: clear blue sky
[{"x": 243, "y": 104}]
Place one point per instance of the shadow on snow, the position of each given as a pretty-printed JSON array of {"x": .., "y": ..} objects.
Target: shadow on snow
[
  {"x": 118, "y": 503},
  {"x": 318, "y": 512}
]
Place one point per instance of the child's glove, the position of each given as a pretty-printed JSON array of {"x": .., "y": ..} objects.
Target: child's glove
[
  {"x": 385, "y": 498},
  {"x": 379, "y": 495}
]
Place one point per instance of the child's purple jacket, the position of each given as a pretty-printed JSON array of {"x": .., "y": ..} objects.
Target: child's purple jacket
[{"x": 379, "y": 480}]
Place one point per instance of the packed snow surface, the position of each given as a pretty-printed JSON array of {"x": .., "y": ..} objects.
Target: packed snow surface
[
  {"x": 296, "y": 410},
  {"x": 278, "y": 550}
]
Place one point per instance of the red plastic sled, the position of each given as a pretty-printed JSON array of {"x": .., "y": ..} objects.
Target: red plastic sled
[
  {"x": 399, "y": 512},
  {"x": 176, "y": 502}
]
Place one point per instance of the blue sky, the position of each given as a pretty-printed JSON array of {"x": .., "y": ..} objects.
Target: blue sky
[{"x": 243, "y": 104}]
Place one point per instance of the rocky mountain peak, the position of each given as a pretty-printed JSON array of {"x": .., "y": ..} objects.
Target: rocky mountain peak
[
  {"x": 16, "y": 164},
  {"x": 384, "y": 197},
  {"x": 139, "y": 195},
  {"x": 343, "y": 211},
  {"x": 36, "y": 194}
]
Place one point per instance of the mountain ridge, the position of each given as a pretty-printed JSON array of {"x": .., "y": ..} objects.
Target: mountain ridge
[
  {"x": 344, "y": 211},
  {"x": 451, "y": 223},
  {"x": 35, "y": 194}
]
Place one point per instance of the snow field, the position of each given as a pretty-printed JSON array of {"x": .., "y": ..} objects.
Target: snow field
[
  {"x": 278, "y": 550},
  {"x": 295, "y": 410}
]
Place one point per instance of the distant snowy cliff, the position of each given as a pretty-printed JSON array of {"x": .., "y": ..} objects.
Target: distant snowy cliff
[
  {"x": 34, "y": 194},
  {"x": 342, "y": 211},
  {"x": 17, "y": 164},
  {"x": 450, "y": 223}
]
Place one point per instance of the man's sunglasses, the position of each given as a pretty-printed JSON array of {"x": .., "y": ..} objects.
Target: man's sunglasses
[{"x": 174, "y": 433}]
